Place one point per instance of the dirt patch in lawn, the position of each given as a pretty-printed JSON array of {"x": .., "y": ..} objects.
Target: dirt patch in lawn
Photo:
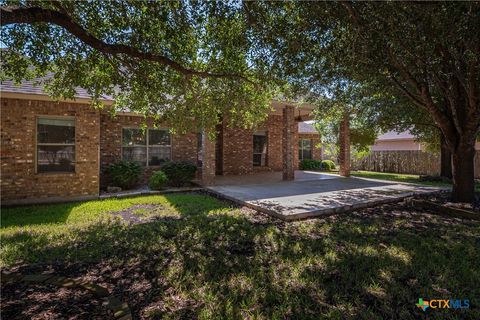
[{"x": 143, "y": 213}]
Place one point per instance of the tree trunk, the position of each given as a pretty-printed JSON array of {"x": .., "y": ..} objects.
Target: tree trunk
[
  {"x": 344, "y": 139},
  {"x": 445, "y": 159},
  {"x": 463, "y": 173}
]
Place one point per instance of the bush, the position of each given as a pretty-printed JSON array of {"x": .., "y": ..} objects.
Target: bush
[
  {"x": 158, "y": 180},
  {"x": 125, "y": 174},
  {"x": 179, "y": 173},
  {"x": 328, "y": 165},
  {"x": 309, "y": 164},
  {"x": 325, "y": 165}
]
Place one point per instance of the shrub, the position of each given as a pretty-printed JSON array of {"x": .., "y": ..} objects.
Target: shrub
[
  {"x": 179, "y": 173},
  {"x": 328, "y": 165},
  {"x": 125, "y": 174},
  {"x": 308, "y": 164},
  {"x": 158, "y": 180}
]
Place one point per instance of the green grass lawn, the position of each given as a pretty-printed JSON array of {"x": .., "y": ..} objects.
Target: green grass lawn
[
  {"x": 201, "y": 258},
  {"x": 400, "y": 177}
]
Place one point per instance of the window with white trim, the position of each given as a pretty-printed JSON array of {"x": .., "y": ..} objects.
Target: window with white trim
[
  {"x": 55, "y": 144},
  {"x": 150, "y": 147},
  {"x": 304, "y": 149}
]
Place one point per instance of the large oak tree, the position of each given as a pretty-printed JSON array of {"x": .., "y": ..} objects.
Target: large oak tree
[{"x": 426, "y": 52}]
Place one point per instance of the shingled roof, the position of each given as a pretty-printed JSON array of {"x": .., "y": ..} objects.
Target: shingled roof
[
  {"x": 35, "y": 86},
  {"x": 393, "y": 135}
]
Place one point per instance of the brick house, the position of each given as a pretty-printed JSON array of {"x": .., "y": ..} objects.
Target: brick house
[{"x": 54, "y": 151}]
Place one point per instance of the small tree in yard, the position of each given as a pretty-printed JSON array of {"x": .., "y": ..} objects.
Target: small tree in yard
[{"x": 426, "y": 52}]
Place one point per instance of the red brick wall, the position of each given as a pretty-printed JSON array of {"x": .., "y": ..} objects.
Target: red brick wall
[
  {"x": 236, "y": 147},
  {"x": 184, "y": 147},
  {"x": 237, "y": 151},
  {"x": 98, "y": 144},
  {"x": 274, "y": 149},
  {"x": 219, "y": 150},
  {"x": 296, "y": 161},
  {"x": 18, "y": 148},
  {"x": 289, "y": 143}
]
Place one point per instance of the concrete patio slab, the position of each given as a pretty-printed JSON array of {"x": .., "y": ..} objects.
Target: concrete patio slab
[
  {"x": 270, "y": 177},
  {"x": 313, "y": 194}
]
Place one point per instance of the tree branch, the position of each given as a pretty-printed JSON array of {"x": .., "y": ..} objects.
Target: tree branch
[
  {"x": 351, "y": 12},
  {"x": 31, "y": 15},
  {"x": 410, "y": 95}
]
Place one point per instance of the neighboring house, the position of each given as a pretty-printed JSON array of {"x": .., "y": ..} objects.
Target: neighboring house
[
  {"x": 395, "y": 141},
  {"x": 398, "y": 141},
  {"x": 53, "y": 150}
]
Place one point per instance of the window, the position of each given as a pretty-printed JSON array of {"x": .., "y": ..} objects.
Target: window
[
  {"x": 304, "y": 149},
  {"x": 149, "y": 147},
  {"x": 260, "y": 149},
  {"x": 159, "y": 147},
  {"x": 55, "y": 145}
]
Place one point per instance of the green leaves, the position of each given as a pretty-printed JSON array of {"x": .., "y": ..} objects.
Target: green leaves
[
  {"x": 125, "y": 174},
  {"x": 199, "y": 64}
]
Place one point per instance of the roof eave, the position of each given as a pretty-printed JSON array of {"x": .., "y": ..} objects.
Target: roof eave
[{"x": 44, "y": 97}]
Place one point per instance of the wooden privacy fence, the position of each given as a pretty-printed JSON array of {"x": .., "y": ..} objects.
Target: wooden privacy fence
[{"x": 411, "y": 161}]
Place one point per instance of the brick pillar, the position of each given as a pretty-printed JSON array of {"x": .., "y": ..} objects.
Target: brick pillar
[
  {"x": 207, "y": 177},
  {"x": 344, "y": 156},
  {"x": 288, "y": 143},
  {"x": 316, "y": 152}
]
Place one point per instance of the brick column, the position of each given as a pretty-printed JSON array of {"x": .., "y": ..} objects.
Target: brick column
[
  {"x": 316, "y": 152},
  {"x": 344, "y": 139},
  {"x": 207, "y": 177},
  {"x": 288, "y": 143}
]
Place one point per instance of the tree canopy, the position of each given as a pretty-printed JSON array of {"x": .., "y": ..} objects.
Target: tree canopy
[
  {"x": 177, "y": 60},
  {"x": 428, "y": 53}
]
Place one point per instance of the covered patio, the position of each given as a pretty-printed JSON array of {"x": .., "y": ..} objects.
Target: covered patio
[
  {"x": 232, "y": 151},
  {"x": 282, "y": 190},
  {"x": 311, "y": 194}
]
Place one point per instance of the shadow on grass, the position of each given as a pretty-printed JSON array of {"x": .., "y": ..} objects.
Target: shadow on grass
[
  {"x": 214, "y": 264},
  {"x": 36, "y": 214}
]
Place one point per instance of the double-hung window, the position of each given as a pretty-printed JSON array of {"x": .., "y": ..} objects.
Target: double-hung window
[
  {"x": 304, "y": 149},
  {"x": 159, "y": 147},
  {"x": 55, "y": 144},
  {"x": 150, "y": 147}
]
